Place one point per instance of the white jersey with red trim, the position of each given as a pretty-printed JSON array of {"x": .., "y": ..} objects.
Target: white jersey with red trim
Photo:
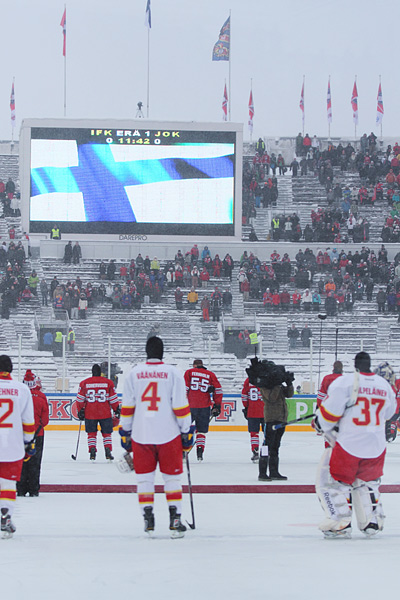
[
  {"x": 154, "y": 405},
  {"x": 17, "y": 423},
  {"x": 361, "y": 424}
]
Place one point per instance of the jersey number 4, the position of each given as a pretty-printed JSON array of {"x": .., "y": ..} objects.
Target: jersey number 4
[
  {"x": 367, "y": 406},
  {"x": 7, "y": 413},
  {"x": 150, "y": 395}
]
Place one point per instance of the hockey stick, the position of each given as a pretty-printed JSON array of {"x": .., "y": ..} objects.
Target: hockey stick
[
  {"x": 280, "y": 425},
  {"x": 73, "y": 456},
  {"x": 191, "y": 525}
]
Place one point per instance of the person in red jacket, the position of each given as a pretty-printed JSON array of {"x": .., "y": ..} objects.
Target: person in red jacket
[
  {"x": 254, "y": 413},
  {"x": 95, "y": 399},
  {"x": 204, "y": 394},
  {"x": 30, "y": 475}
]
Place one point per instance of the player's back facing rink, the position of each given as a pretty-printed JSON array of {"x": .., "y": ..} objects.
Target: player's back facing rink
[{"x": 244, "y": 545}]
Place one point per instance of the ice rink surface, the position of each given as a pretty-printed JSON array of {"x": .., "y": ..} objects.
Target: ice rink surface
[{"x": 73, "y": 546}]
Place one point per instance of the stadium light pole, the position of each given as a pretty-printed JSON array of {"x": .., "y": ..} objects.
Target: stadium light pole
[{"x": 322, "y": 318}]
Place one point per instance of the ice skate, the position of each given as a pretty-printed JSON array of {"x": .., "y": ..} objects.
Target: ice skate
[
  {"x": 176, "y": 527},
  {"x": 92, "y": 453},
  {"x": 109, "y": 456},
  {"x": 149, "y": 520},
  {"x": 334, "y": 529},
  {"x": 7, "y": 526},
  {"x": 371, "y": 529},
  {"x": 200, "y": 451},
  {"x": 255, "y": 457}
]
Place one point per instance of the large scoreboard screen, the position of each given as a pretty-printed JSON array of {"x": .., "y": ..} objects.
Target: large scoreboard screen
[{"x": 164, "y": 181}]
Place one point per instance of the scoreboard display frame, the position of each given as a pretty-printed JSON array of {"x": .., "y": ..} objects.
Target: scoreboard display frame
[{"x": 131, "y": 177}]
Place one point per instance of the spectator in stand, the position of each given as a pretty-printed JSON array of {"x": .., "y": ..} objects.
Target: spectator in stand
[
  {"x": 285, "y": 300},
  {"x": 68, "y": 253},
  {"x": 381, "y": 300},
  {"x": 306, "y": 144},
  {"x": 111, "y": 268},
  {"x": 76, "y": 253},
  {"x": 293, "y": 334},
  {"x": 307, "y": 300},
  {"x": 33, "y": 282},
  {"x": 55, "y": 233},
  {"x": 306, "y": 335},
  {"x": 192, "y": 298},
  {"x": 44, "y": 291},
  {"x": 226, "y": 300},
  {"x": 330, "y": 304},
  {"x": 83, "y": 303},
  {"x": 179, "y": 298},
  {"x": 204, "y": 277},
  {"x": 205, "y": 307}
]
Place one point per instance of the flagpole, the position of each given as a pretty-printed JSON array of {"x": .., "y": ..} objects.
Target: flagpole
[
  {"x": 230, "y": 50},
  {"x": 329, "y": 122},
  {"x": 65, "y": 70},
  {"x": 304, "y": 104},
  {"x": 13, "y": 122},
  {"x": 355, "y": 120},
  {"x": 382, "y": 115},
  {"x": 148, "y": 70},
  {"x": 251, "y": 92}
]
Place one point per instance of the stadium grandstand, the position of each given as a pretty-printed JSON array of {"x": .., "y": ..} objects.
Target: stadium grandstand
[{"x": 318, "y": 235}]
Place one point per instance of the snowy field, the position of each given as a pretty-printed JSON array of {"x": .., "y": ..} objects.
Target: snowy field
[{"x": 244, "y": 545}]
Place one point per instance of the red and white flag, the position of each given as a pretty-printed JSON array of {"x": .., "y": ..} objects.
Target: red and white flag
[
  {"x": 225, "y": 105},
  {"x": 302, "y": 102},
  {"x": 251, "y": 111},
  {"x": 64, "y": 26},
  {"x": 354, "y": 103},
  {"x": 379, "y": 108},
  {"x": 329, "y": 102},
  {"x": 12, "y": 105}
]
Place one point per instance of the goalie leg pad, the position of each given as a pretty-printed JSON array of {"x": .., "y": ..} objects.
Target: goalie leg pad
[
  {"x": 335, "y": 499},
  {"x": 367, "y": 506}
]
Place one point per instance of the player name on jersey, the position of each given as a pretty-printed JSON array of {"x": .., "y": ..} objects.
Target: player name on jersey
[{"x": 151, "y": 375}]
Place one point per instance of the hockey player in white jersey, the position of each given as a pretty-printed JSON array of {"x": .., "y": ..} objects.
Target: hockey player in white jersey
[
  {"x": 17, "y": 429},
  {"x": 155, "y": 424},
  {"x": 353, "y": 417}
]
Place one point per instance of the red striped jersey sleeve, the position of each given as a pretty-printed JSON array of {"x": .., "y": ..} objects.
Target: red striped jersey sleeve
[
  {"x": 183, "y": 412},
  {"x": 331, "y": 418}
]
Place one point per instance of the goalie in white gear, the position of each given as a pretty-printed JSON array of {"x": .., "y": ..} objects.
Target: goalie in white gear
[{"x": 353, "y": 417}]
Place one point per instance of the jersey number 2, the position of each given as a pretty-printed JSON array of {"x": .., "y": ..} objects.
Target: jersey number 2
[
  {"x": 7, "y": 413},
  {"x": 150, "y": 395}
]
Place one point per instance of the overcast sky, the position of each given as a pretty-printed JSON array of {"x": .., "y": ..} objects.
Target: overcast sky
[{"x": 272, "y": 43}]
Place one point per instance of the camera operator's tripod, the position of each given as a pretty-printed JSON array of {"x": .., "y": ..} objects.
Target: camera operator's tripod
[{"x": 139, "y": 112}]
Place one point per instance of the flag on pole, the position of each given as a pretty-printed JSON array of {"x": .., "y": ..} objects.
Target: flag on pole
[
  {"x": 302, "y": 102},
  {"x": 379, "y": 108},
  {"x": 251, "y": 112},
  {"x": 221, "y": 50},
  {"x": 354, "y": 103},
  {"x": 64, "y": 26},
  {"x": 329, "y": 102},
  {"x": 12, "y": 105},
  {"x": 225, "y": 105},
  {"x": 148, "y": 15}
]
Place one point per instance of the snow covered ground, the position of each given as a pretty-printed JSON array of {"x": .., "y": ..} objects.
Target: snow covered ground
[{"x": 244, "y": 545}]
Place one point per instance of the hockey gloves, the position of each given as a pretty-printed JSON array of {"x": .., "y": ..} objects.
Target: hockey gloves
[
  {"x": 126, "y": 440},
  {"x": 188, "y": 439},
  {"x": 117, "y": 412},
  {"x": 216, "y": 410},
  {"x": 81, "y": 414},
  {"x": 315, "y": 425},
  {"x": 244, "y": 411},
  {"x": 30, "y": 450}
]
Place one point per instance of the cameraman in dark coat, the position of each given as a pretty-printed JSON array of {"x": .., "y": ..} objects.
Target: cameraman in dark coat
[{"x": 275, "y": 385}]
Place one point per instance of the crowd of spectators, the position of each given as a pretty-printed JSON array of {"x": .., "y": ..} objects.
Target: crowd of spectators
[{"x": 332, "y": 279}]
